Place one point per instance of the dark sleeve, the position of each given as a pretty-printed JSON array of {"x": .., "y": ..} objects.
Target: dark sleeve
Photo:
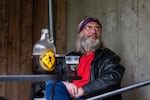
[
  {"x": 60, "y": 66},
  {"x": 109, "y": 76}
]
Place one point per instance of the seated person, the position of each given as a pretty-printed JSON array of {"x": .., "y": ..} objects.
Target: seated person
[{"x": 99, "y": 67}]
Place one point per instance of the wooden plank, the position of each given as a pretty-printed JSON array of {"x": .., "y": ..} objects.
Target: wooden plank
[
  {"x": 12, "y": 90},
  {"x": 25, "y": 47},
  {"x": 60, "y": 22},
  {"x": 3, "y": 43},
  {"x": 40, "y": 18}
]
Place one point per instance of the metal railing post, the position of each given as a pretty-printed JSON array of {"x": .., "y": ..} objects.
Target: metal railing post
[{"x": 51, "y": 19}]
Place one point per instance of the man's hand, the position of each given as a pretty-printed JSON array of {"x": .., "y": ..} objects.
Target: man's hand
[
  {"x": 80, "y": 93},
  {"x": 72, "y": 89}
]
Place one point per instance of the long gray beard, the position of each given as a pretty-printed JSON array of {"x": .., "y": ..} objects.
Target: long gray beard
[{"x": 85, "y": 44}]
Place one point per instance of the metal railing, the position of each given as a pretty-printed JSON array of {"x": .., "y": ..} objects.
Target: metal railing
[
  {"x": 118, "y": 91},
  {"x": 36, "y": 78},
  {"x": 32, "y": 78}
]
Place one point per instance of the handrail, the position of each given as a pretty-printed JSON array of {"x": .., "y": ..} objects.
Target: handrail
[
  {"x": 118, "y": 91},
  {"x": 35, "y": 78}
]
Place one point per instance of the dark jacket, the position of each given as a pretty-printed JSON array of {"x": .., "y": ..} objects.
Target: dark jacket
[{"x": 106, "y": 74}]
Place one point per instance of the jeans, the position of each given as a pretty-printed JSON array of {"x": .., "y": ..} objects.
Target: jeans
[{"x": 57, "y": 91}]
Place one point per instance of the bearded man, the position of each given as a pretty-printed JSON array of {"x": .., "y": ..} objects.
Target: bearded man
[{"x": 99, "y": 67}]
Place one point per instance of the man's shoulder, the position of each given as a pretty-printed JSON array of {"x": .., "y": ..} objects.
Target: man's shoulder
[{"x": 105, "y": 53}]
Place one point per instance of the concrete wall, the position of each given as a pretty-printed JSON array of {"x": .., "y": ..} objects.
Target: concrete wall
[{"x": 126, "y": 30}]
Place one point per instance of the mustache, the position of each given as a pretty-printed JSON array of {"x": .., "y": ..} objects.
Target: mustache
[{"x": 88, "y": 36}]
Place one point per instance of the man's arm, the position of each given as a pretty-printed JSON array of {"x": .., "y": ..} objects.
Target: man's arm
[{"x": 110, "y": 76}]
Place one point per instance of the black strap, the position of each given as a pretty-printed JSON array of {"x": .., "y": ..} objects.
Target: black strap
[{"x": 53, "y": 90}]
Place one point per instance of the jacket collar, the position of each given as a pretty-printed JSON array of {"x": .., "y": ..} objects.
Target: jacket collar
[{"x": 99, "y": 53}]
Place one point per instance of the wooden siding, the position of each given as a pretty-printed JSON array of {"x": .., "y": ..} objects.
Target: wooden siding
[
  {"x": 15, "y": 46},
  {"x": 20, "y": 24},
  {"x": 60, "y": 23}
]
